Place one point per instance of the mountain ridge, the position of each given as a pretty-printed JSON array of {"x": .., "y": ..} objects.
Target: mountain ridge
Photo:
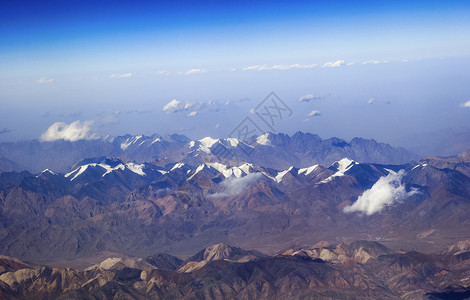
[{"x": 300, "y": 150}]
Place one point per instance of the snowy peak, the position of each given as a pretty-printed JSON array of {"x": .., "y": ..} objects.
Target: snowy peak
[
  {"x": 47, "y": 172},
  {"x": 281, "y": 174},
  {"x": 340, "y": 168},
  {"x": 342, "y": 165},
  {"x": 216, "y": 146},
  {"x": 207, "y": 143},
  {"x": 226, "y": 171},
  {"x": 106, "y": 167},
  {"x": 308, "y": 170},
  {"x": 130, "y": 141}
]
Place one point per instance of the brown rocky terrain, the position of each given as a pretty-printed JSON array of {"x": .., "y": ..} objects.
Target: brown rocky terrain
[{"x": 360, "y": 269}]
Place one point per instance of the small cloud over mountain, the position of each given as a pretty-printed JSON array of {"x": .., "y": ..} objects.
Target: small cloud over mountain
[
  {"x": 234, "y": 186},
  {"x": 387, "y": 191},
  {"x": 72, "y": 132}
]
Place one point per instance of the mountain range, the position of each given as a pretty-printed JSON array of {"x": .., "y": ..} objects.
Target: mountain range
[
  {"x": 378, "y": 218},
  {"x": 269, "y": 150}
]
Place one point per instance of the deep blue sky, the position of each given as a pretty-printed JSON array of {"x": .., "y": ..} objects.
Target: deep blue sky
[{"x": 117, "y": 63}]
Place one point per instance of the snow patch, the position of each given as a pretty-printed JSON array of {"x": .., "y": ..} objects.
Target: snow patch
[
  {"x": 207, "y": 143},
  {"x": 198, "y": 169},
  {"x": 308, "y": 170},
  {"x": 233, "y": 142},
  {"x": 156, "y": 140},
  {"x": 343, "y": 166},
  {"x": 130, "y": 141},
  {"x": 77, "y": 172},
  {"x": 177, "y": 166},
  {"x": 136, "y": 168},
  {"x": 281, "y": 174}
]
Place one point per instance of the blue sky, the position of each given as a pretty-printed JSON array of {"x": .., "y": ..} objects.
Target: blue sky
[{"x": 375, "y": 70}]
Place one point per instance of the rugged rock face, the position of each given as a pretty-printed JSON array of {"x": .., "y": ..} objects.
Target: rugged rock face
[
  {"x": 358, "y": 252},
  {"x": 384, "y": 274},
  {"x": 219, "y": 252}
]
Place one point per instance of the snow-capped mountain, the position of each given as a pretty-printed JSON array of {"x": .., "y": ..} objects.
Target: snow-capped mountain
[
  {"x": 269, "y": 150},
  {"x": 103, "y": 202}
]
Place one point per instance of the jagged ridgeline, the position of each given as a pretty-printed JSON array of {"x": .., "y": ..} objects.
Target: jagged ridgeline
[{"x": 269, "y": 150}]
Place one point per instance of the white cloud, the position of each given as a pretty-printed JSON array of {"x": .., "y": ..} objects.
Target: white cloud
[
  {"x": 293, "y": 66},
  {"x": 124, "y": 75},
  {"x": 314, "y": 113},
  {"x": 374, "y": 62},
  {"x": 333, "y": 64},
  {"x": 370, "y": 101},
  {"x": 192, "y": 108},
  {"x": 194, "y": 71},
  {"x": 257, "y": 68},
  {"x": 387, "y": 191},
  {"x": 45, "y": 80},
  {"x": 309, "y": 97},
  {"x": 278, "y": 67},
  {"x": 234, "y": 186},
  {"x": 371, "y": 62},
  {"x": 466, "y": 104},
  {"x": 162, "y": 72},
  {"x": 175, "y": 106},
  {"x": 72, "y": 132}
]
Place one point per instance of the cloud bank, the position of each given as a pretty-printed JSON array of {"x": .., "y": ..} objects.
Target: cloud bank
[
  {"x": 387, "y": 191},
  {"x": 234, "y": 186},
  {"x": 72, "y": 132}
]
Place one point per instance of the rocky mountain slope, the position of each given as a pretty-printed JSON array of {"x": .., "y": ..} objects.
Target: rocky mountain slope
[{"x": 360, "y": 269}]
